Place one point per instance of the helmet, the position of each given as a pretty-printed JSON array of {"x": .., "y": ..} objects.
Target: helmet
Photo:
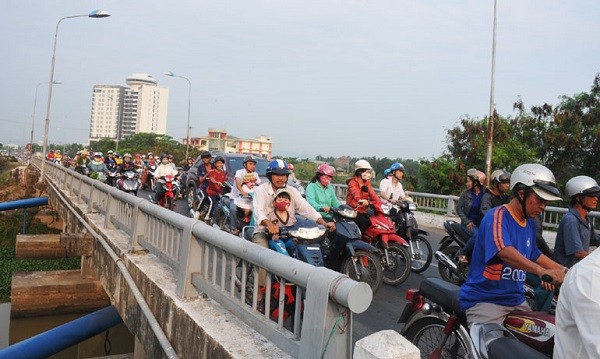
[
  {"x": 117, "y": 155},
  {"x": 98, "y": 154},
  {"x": 190, "y": 159},
  {"x": 396, "y": 166},
  {"x": 249, "y": 159},
  {"x": 219, "y": 159},
  {"x": 110, "y": 152},
  {"x": 537, "y": 177},
  {"x": 290, "y": 166},
  {"x": 386, "y": 172},
  {"x": 477, "y": 177},
  {"x": 164, "y": 155},
  {"x": 471, "y": 172},
  {"x": 280, "y": 191},
  {"x": 57, "y": 151},
  {"x": 205, "y": 154},
  {"x": 582, "y": 185},
  {"x": 362, "y": 165},
  {"x": 150, "y": 154},
  {"x": 127, "y": 155},
  {"x": 500, "y": 176},
  {"x": 278, "y": 167},
  {"x": 326, "y": 169}
]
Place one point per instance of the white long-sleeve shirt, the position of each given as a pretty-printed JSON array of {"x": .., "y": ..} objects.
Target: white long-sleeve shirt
[
  {"x": 163, "y": 170},
  {"x": 263, "y": 204}
]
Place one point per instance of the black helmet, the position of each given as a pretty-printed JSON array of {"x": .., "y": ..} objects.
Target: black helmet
[
  {"x": 219, "y": 158},
  {"x": 249, "y": 159},
  {"x": 205, "y": 154},
  {"x": 164, "y": 155}
]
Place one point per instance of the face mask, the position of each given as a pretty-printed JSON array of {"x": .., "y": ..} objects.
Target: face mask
[
  {"x": 365, "y": 176},
  {"x": 281, "y": 206},
  {"x": 324, "y": 181},
  {"x": 164, "y": 162}
]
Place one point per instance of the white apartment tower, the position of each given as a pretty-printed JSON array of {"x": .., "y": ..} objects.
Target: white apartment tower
[{"x": 120, "y": 111}]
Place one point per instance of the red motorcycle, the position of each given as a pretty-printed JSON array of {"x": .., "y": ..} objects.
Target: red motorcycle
[
  {"x": 167, "y": 200},
  {"x": 395, "y": 255}
]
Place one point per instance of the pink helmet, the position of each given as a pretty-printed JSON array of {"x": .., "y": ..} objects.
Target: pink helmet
[
  {"x": 326, "y": 169},
  {"x": 478, "y": 176}
]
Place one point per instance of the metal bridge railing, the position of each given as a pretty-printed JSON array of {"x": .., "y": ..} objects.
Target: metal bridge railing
[{"x": 216, "y": 263}]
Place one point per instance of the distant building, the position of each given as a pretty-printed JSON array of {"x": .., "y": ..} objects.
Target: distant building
[
  {"x": 120, "y": 111},
  {"x": 218, "y": 140}
]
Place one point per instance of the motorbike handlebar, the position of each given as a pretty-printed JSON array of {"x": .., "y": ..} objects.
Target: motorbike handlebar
[{"x": 547, "y": 278}]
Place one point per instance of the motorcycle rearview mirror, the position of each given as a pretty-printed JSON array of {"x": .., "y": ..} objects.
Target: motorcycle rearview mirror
[{"x": 364, "y": 188}]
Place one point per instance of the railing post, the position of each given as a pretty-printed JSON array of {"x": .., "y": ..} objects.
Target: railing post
[
  {"x": 139, "y": 223},
  {"x": 190, "y": 254},
  {"x": 450, "y": 209}
]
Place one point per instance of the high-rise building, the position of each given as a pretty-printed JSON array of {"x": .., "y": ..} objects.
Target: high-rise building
[{"x": 120, "y": 111}]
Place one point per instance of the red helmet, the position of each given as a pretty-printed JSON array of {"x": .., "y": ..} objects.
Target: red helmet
[{"x": 326, "y": 169}]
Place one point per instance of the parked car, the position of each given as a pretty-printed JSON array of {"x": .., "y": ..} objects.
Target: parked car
[{"x": 233, "y": 162}]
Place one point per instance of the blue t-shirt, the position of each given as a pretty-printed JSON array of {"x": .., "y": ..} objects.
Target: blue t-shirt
[
  {"x": 490, "y": 280},
  {"x": 574, "y": 234}
]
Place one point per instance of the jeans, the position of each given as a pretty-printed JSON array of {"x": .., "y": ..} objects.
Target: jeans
[
  {"x": 233, "y": 214},
  {"x": 467, "y": 250}
]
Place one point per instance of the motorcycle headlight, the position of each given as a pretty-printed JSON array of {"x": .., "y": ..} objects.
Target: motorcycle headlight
[
  {"x": 348, "y": 213},
  {"x": 129, "y": 174},
  {"x": 412, "y": 206},
  {"x": 385, "y": 208},
  {"x": 308, "y": 233}
]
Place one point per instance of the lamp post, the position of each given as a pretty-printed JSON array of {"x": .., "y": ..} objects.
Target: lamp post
[
  {"x": 488, "y": 158},
  {"x": 33, "y": 116},
  {"x": 189, "y": 129},
  {"x": 97, "y": 14}
]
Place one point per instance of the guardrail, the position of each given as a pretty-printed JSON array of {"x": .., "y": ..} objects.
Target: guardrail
[
  {"x": 218, "y": 264},
  {"x": 446, "y": 205}
]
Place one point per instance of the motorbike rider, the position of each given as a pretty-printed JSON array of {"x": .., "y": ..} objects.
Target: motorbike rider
[
  {"x": 392, "y": 190},
  {"x": 576, "y": 232},
  {"x": 50, "y": 156},
  {"x": 216, "y": 181},
  {"x": 138, "y": 162},
  {"x": 505, "y": 250},
  {"x": 203, "y": 169},
  {"x": 238, "y": 190},
  {"x": 468, "y": 207},
  {"x": 127, "y": 165},
  {"x": 82, "y": 160},
  {"x": 387, "y": 174},
  {"x": 110, "y": 159},
  {"x": 496, "y": 194},
  {"x": 163, "y": 169},
  {"x": 319, "y": 192},
  {"x": 57, "y": 156},
  {"x": 97, "y": 165},
  {"x": 361, "y": 192},
  {"x": 189, "y": 163},
  {"x": 277, "y": 174}
]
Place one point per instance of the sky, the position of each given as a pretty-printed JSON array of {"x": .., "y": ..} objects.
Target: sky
[{"x": 384, "y": 78}]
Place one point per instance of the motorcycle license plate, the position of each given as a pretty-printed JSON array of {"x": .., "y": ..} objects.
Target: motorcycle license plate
[{"x": 406, "y": 313}]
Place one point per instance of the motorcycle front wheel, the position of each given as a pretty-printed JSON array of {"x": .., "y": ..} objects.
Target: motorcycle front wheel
[
  {"x": 445, "y": 273},
  {"x": 421, "y": 254},
  {"x": 368, "y": 269},
  {"x": 426, "y": 335},
  {"x": 397, "y": 268},
  {"x": 169, "y": 203}
]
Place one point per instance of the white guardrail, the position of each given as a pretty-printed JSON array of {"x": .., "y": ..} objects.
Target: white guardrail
[
  {"x": 446, "y": 205},
  {"x": 206, "y": 260}
]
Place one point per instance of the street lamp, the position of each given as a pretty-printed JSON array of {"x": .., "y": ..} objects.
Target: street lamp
[
  {"x": 189, "y": 129},
  {"x": 33, "y": 116},
  {"x": 97, "y": 14},
  {"x": 488, "y": 158}
]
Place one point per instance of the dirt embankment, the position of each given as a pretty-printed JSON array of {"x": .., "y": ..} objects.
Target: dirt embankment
[{"x": 22, "y": 184}]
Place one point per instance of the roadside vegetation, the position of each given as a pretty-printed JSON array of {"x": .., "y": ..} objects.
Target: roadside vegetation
[{"x": 11, "y": 224}]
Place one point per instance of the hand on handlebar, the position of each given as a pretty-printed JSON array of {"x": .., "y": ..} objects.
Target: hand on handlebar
[
  {"x": 552, "y": 277},
  {"x": 272, "y": 228},
  {"x": 330, "y": 226},
  {"x": 363, "y": 202}
]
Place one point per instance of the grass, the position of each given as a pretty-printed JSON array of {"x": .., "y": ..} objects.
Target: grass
[{"x": 10, "y": 225}]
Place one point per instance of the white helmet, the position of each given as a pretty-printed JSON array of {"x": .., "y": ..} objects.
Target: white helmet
[
  {"x": 582, "y": 185},
  {"x": 362, "y": 165},
  {"x": 537, "y": 177},
  {"x": 500, "y": 176}
]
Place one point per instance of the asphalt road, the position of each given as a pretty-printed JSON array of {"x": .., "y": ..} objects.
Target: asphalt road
[{"x": 388, "y": 302}]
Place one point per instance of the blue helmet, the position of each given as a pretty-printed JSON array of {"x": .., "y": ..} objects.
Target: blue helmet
[
  {"x": 386, "y": 172},
  {"x": 396, "y": 166},
  {"x": 278, "y": 167}
]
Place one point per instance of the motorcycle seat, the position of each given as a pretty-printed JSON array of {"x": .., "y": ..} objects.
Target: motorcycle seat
[
  {"x": 509, "y": 347},
  {"x": 443, "y": 293}
]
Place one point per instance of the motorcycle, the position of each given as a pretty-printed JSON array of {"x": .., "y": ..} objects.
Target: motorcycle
[
  {"x": 406, "y": 227},
  {"x": 395, "y": 255},
  {"x": 129, "y": 182},
  {"x": 111, "y": 175},
  {"x": 451, "y": 269},
  {"x": 223, "y": 212},
  {"x": 171, "y": 191},
  {"x": 148, "y": 180},
  {"x": 205, "y": 204},
  {"x": 302, "y": 241},
  {"x": 436, "y": 325},
  {"x": 346, "y": 253}
]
